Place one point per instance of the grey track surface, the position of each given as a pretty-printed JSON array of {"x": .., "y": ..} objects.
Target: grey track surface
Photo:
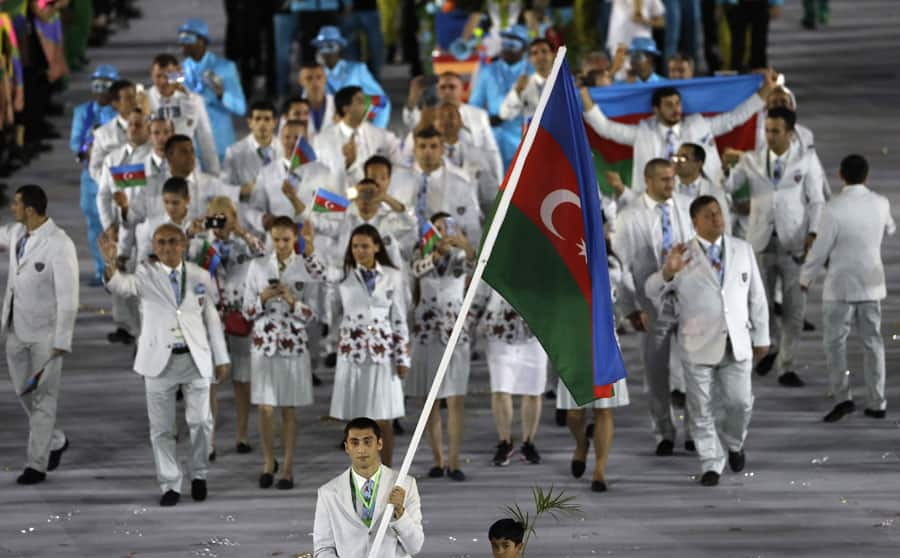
[{"x": 102, "y": 501}]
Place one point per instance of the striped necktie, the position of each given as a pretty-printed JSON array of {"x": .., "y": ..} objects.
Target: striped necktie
[
  {"x": 715, "y": 259},
  {"x": 20, "y": 247},
  {"x": 667, "y": 239}
]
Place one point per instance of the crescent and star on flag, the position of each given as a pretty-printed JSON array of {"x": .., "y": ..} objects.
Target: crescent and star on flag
[{"x": 552, "y": 201}]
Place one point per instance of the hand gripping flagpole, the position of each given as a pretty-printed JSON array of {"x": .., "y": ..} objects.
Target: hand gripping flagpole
[{"x": 483, "y": 257}]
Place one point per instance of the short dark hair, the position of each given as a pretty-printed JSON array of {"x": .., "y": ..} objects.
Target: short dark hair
[
  {"x": 177, "y": 186},
  {"x": 283, "y": 222},
  {"x": 164, "y": 59},
  {"x": 428, "y": 132},
  {"x": 541, "y": 41},
  {"x": 311, "y": 64},
  {"x": 286, "y": 105},
  {"x": 33, "y": 196},
  {"x": 362, "y": 423},
  {"x": 344, "y": 97},
  {"x": 854, "y": 169},
  {"x": 367, "y": 182},
  {"x": 439, "y": 215},
  {"x": 117, "y": 87},
  {"x": 784, "y": 113},
  {"x": 174, "y": 140},
  {"x": 697, "y": 151},
  {"x": 295, "y": 122},
  {"x": 377, "y": 160},
  {"x": 508, "y": 529},
  {"x": 262, "y": 105},
  {"x": 662, "y": 93},
  {"x": 653, "y": 164},
  {"x": 681, "y": 57},
  {"x": 702, "y": 201}
]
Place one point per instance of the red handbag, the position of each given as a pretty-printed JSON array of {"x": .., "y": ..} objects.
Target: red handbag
[{"x": 236, "y": 324}]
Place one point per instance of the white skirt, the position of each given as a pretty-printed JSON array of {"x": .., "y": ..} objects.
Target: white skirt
[
  {"x": 366, "y": 390},
  {"x": 425, "y": 361},
  {"x": 239, "y": 352},
  {"x": 519, "y": 369},
  {"x": 619, "y": 399},
  {"x": 280, "y": 381}
]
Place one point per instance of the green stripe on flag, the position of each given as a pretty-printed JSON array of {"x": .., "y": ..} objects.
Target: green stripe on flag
[
  {"x": 527, "y": 270},
  {"x": 131, "y": 183},
  {"x": 622, "y": 167}
]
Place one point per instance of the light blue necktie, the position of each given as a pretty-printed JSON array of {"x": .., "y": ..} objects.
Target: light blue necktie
[
  {"x": 265, "y": 154},
  {"x": 778, "y": 170},
  {"x": 369, "y": 278},
  {"x": 20, "y": 247},
  {"x": 366, "y": 513},
  {"x": 173, "y": 280},
  {"x": 422, "y": 202},
  {"x": 670, "y": 143},
  {"x": 666, "y": 227},
  {"x": 716, "y": 260}
]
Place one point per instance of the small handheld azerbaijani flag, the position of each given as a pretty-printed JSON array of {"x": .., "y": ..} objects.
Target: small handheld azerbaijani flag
[
  {"x": 129, "y": 176},
  {"x": 374, "y": 105},
  {"x": 329, "y": 202},
  {"x": 560, "y": 285},
  {"x": 209, "y": 258},
  {"x": 430, "y": 238},
  {"x": 303, "y": 153}
]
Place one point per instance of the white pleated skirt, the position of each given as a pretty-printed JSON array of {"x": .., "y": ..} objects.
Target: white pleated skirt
[
  {"x": 280, "y": 381},
  {"x": 519, "y": 369},
  {"x": 425, "y": 361},
  {"x": 239, "y": 352},
  {"x": 366, "y": 390},
  {"x": 619, "y": 399}
]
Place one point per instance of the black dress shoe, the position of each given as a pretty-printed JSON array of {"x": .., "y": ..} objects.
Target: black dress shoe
[
  {"x": 677, "y": 397},
  {"x": 266, "y": 479},
  {"x": 808, "y": 326},
  {"x": 56, "y": 456},
  {"x": 550, "y": 395},
  {"x": 120, "y": 336},
  {"x": 764, "y": 366},
  {"x": 736, "y": 460},
  {"x": 331, "y": 360},
  {"x": 560, "y": 417},
  {"x": 456, "y": 475},
  {"x": 709, "y": 478},
  {"x": 436, "y": 472},
  {"x": 285, "y": 484},
  {"x": 316, "y": 380},
  {"x": 198, "y": 489},
  {"x": 840, "y": 410},
  {"x": 690, "y": 446},
  {"x": 169, "y": 499},
  {"x": 243, "y": 447},
  {"x": 871, "y": 413},
  {"x": 598, "y": 486},
  {"x": 790, "y": 379},
  {"x": 665, "y": 447},
  {"x": 578, "y": 468},
  {"x": 212, "y": 455},
  {"x": 31, "y": 476}
]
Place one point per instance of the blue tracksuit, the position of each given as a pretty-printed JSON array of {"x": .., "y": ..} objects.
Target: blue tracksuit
[
  {"x": 88, "y": 116},
  {"x": 493, "y": 83},
  {"x": 221, "y": 110},
  {"x": 347, "y": 73}
]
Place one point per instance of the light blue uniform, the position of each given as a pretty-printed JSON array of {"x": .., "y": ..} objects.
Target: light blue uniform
[
  {"x": 86, "y": 117},
  {"x": 347, "y": 73},
  {"x": 221, "y": 110},
  {"x": 493, "y": 83}
]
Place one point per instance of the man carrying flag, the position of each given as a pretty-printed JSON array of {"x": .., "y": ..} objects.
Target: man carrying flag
[{"x": 660, "y": 135}]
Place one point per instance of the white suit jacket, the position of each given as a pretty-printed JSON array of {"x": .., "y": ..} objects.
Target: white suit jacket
[
  {"x": 710, "y": 313},
  {"x": 851, "y": 231},
  {"x": 649, "y": 139},
  {"x": 242, "y": 161},
  {"x": 106, "y": 138},
  {"x": 42, "y": 286},
  {"x": 515, "y": 105},
  {"x": 328, "y": 146},
  {"x": 267, "y": 196},
  {"x": 196, "y": 316},
  {"x": 703, "y": 186},
  {"x": 791, "y": 207},
  {"x": 803, "y": 137},
  {"x": 188, "y": 112},
  {"x": 477, "y": 123},
  {"x": 106, "y": 186},
  {"x": 449, "y": 190},
  {"x": 202, "y": 188},
  {"x": 637, "y": 241},
  {"x": 338, "y": 530}
]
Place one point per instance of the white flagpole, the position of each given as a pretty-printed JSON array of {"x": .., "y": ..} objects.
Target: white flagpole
[{"x": 487, "y": 247}]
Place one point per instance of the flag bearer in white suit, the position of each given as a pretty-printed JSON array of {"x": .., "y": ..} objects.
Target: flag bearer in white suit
[
  {"x": 349, "y": 507},
  {"x": 39, "y": 310},
  {"x": 182, "y": 344},
  {"x": 113, "y": 134},
  {"x": 723, "y": 327},
  {"x": 661, "y": 134},
  {"x": 786, "y": 200},
  {"x": 644, "y": 232},
  {"x": 851, "y": 232}
]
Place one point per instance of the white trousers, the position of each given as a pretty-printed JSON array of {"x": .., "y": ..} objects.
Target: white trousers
[
  {"x": 776, "y": 262},
  {"x": 23, "y": 360},
  {"x": 657, "y": 345},
  {"x": 720, "y": 402},
  {"x": 837, "y": 319},
  {"x": 180, "y": 371}
]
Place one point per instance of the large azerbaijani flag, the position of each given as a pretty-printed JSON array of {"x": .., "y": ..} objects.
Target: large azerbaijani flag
[
  {"x": 631, "y": 103},
  {"x": 549, "y": 259}
]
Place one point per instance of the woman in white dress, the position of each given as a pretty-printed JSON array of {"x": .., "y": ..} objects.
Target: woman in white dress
[
  {"x": 517, "y": 365},
  {"x": 442, "y": 275},
  {"x": 373, "y": 338},
  {"x": 602, "y": 430},
  {"x": 281, "y": 372}
]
